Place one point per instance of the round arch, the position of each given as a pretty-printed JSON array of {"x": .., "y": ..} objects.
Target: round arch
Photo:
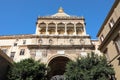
[
  {"x": 79, "y": 24},
  {"x": 54, "y": 56},
  {"x": 61, "y": 28},
  {"x": 51, "y": 28},
  {"x": 57, "y": 65},
  {"x": 70, "y": 28},
  {"x": 42, "y": 24}
]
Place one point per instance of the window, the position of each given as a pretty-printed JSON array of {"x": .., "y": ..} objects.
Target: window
[
  {"x": 111, "y": 23},
  {"x": 22, "y": 51},
  {"x": 102, "y": 38},
  {"x": 40, "y": 41},
  {"x": 118, "y": 61},
  {"x": 4, "y": 50},
  {"x": 24, "y": 41},
  {"x": 15, "y": 44},
  {"x": 118, "y": 44},
  {"x": 82, "y": 41},
  {"x": 50, "y": 41},
  {"x": 12, "y": 55},
  {"x": 71, "y": 41}
]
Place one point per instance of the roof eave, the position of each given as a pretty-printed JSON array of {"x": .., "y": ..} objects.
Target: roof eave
[{"x": 108, "y": 16}]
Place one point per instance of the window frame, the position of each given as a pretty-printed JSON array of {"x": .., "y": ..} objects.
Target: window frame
[
  {"x": 102, "y": 38},
  {"x": 15, "y": 44},
  {"x": 111, "y": 23},
  {"x": 117, "y": 45},
  {"x": 12, "y": 55},
  {"x": 24, "y": 41},
  {"x": 22, "y": 51}
]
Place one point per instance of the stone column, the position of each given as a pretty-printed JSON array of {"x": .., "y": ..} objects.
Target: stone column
[
  {"x": 74, "y": 29},
  {"x": 65, "y": 29},
  {"x": 84, "y": 30},
  {"x": 56, "y": 31},
  {"x": 46, "y": 28},
  {"x": 37, "y": 29}
]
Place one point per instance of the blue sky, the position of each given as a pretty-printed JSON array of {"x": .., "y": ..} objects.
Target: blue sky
[{"x": 20, "y": 16}]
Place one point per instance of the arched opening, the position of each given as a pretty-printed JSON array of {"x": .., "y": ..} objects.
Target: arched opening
[
  {"x": 51, "y": 28},
  {"x": 70, "y": 28},
  {"x": 79, "y": 28},
  {"x": 57, "y": 66},
  {"x": 42, "y": 28},
  {"x": 61, "y": 28}
]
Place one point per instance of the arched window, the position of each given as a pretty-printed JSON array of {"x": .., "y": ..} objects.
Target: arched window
[
  {"x": 61, "y": 28},
  {"x": 70, "y": 28},
  {"x": 40, "y": 41},
  {"x": 42, "y": 24},
  {"x": 42, "y": 28},
  {"x": 79, "y": 28},
  {"x": 51, "y": 28},
  {"x": 50, "y": 41}
]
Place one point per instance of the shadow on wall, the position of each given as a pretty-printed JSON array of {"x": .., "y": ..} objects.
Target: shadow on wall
[{"x": 5, "y": 63}]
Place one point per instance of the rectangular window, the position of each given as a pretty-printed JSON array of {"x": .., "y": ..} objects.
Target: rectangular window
[
  {"x": 24, "y": 41},
  {"x": 22, "y": 51},
  {"x": 15, "y": 44},
  {"x": 118, "y": 44},
  {"x": 111, "y": 23},
  {"x": 102, "y": 38},
  {"x": 12, "y": 55}
]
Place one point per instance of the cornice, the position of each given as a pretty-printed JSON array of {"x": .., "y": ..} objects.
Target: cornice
[
  {"x": 59, "y": 18},
  {"x": 42, "y": 36},
  {"x": 108, "y": 16},
  {"x": 17, "y": 36},
  {"x": 62, "y": 36},
  {"x": 92, "y": 47}
]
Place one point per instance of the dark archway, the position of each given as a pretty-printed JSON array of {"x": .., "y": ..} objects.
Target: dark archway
[{"x": 57, "y": 66}]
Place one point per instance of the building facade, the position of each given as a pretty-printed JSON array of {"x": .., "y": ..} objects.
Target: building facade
[
  {"x": 59, "y": 38},
  {"x": 109, "y": 37}
]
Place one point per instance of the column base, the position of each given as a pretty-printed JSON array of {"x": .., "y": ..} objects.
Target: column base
[
  {"x": 65, "y": 33},
  {"x": 74, "y": 33},
  {"x": 47, "y": 33}
]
